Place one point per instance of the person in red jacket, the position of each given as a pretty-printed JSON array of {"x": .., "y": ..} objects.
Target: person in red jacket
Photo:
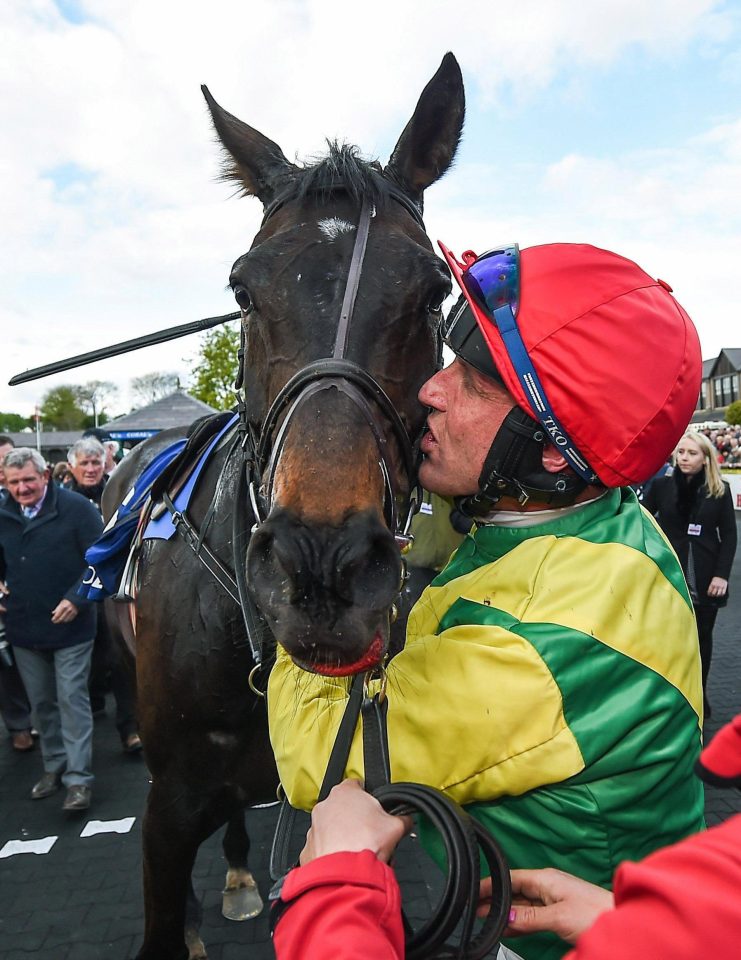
[
  {"x": 343, "y": 901},
  {"x": 681, "y": 902}
]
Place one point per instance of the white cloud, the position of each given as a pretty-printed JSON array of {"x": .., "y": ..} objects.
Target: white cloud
[
  {"x": 145, "y": 236},
  {"x": 676, "y": 212}
]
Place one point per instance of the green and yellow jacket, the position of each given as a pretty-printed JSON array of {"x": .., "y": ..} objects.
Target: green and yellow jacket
[{"x": 550, "y": 681}]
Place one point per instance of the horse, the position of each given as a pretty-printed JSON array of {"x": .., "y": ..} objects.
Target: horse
[{"x": 304, "y": 501}]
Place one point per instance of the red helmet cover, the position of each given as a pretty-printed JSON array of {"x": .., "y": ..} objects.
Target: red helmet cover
[{"x": 618, "y": 357}]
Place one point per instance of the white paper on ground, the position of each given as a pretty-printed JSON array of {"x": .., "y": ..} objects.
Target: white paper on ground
[
  {"x": 92, "y": 827},
  {"x": 13, "y": 847}
]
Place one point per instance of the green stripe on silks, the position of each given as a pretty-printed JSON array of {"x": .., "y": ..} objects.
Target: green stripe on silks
[
  {"x": 611, "y": 519},
  {"x": 644, "y": 536},
  {"x": 639, "y": 738}
]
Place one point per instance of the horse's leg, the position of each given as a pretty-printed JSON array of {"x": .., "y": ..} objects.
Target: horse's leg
[
  {"x": 175, "y": 823},
  {"x": 193, "y": 918},
  {"x": 240, "y": 898}
]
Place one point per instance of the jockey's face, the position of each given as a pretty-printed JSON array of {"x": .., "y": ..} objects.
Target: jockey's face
[{"x": 466, "y": 411}]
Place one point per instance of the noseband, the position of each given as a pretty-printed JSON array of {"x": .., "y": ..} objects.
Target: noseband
[{"x": 263, "y": 449}]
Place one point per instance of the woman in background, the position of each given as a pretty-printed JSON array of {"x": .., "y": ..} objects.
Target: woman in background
[{"x": 695, "y": 510}]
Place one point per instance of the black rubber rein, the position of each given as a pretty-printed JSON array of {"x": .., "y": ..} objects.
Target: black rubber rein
[{"x": 463, "y": 839}]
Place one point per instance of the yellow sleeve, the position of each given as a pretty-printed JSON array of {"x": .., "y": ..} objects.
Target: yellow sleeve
[{"x": 474, "y": 711}]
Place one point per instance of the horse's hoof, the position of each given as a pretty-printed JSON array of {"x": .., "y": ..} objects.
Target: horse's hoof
[
  {"x": 196, "y": 949},
  {"x": 242, "y": 903}
]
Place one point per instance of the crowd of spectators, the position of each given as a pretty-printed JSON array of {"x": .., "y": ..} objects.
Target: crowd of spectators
[{"x": 728, "y": 444}]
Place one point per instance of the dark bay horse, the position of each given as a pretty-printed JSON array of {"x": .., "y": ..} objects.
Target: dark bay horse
[{"x": 340, "y": 296}]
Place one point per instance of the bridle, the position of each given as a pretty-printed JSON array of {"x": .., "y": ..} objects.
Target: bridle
[{"x": 262, "y": 445}]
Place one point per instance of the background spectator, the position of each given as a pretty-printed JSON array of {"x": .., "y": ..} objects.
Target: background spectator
[
  {"x": 14, "y": 707},
  {"x": 108, "y": 672},
  {"x": 695, "y": 510},
  {"x": 44, "y": 533}
]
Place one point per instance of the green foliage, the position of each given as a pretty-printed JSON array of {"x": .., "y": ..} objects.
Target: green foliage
[
  {"x": 215, "y": 368},
  {"x": 13, "y": 422},
  {"x": 61, "y": 409},
  {"x": 733, "y": 413}
]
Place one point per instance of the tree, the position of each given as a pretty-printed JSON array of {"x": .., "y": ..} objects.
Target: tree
[
  {"x": 13, "y": 422},
  {"x": 733, "y": 413},
  {"x": 153, "y": 386},
  {"x": 93, "y": 396},
  {"x": 215, "y": 368},
  {"x": 61, "y": 408}
]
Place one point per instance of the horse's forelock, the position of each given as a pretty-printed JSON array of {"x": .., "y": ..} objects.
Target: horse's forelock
[{"x": 342, "y": 169}]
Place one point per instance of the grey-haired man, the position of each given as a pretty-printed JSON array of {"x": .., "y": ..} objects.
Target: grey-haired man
[{"x": 44, "y": 533}]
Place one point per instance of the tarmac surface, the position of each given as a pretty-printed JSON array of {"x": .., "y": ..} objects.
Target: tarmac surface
[{"x": 81, "y": 900}]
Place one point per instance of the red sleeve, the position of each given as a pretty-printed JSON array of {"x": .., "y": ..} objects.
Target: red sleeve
[
  {"x": 346, "y": 906},
  {"x": 682, "y": 902}
]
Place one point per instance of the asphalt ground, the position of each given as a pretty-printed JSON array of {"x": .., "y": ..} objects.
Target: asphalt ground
[{"x": 81, "y": 900}]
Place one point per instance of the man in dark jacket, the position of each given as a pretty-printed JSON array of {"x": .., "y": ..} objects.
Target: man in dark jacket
[
  {"x": 87, "y": 458},
  {"x": 14, "y": 706},
  {"x": 44, "y": 533}
]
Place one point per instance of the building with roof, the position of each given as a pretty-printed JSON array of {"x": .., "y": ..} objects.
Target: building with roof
[
  {"x": 178, "y": 409},
  {"x": 52, "y": 444},
  {"x": 721, "y": 385}
]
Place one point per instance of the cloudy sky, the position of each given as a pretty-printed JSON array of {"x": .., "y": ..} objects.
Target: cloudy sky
[{"x": 615, "y": 122}]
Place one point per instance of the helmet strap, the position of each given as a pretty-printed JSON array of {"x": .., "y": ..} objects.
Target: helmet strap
[{"x": 514, "y": 468}]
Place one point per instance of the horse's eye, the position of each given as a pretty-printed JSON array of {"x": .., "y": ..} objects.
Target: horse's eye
[
  {"x": 242, "y": 297},
  {"x": 438, "y": 298}
]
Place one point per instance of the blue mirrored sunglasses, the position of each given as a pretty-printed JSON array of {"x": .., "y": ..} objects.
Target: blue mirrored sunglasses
[{"x": 493, "y": 279}]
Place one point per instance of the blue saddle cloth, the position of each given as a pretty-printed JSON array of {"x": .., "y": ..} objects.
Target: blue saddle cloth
[{"x": 108, "y": 555}]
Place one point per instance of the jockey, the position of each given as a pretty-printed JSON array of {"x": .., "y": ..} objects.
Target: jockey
[{"x": 550, "y": 680}]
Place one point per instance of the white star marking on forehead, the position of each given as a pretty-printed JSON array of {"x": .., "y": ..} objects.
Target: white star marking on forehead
[{"x": 332, "y": 227}]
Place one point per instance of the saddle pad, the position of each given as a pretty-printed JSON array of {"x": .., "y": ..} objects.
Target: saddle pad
[
  {"x": 163, "y": 528},
  {"x": 107, "y": 556}
]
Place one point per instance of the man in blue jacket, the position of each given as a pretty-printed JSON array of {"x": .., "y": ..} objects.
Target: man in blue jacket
[{"x": 44, "y": 533}]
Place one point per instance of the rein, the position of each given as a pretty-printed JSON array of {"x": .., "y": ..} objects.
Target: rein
[{"x": 465, "y": 841}]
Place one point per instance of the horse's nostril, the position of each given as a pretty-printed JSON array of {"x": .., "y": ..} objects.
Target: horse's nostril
[
  {"x": 367, "y": 575},
  {"x": 356, "y": 565}
]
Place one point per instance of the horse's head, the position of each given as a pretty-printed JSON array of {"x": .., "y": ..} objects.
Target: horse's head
[{"x": 340, "y": 296}]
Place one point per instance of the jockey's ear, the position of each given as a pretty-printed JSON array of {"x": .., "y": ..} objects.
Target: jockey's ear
[{"x": 553, "y": 461}]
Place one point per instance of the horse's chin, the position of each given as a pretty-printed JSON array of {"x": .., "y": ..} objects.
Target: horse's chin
[{"x": 370, "y": 659}]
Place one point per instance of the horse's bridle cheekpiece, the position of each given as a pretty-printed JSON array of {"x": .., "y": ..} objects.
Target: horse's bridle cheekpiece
[{"x": 350, "y": 379}]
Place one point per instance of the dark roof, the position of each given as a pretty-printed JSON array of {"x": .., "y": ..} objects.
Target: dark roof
[
  {"x": 178, "y": 409},
  {"x": 734, "y": 355},
  {"x": 734, "y": 358},
  {"x": 50, "y": 439}
]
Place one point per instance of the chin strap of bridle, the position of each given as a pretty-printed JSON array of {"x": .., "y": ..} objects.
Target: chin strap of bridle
[{"x": 514, "y": 468}]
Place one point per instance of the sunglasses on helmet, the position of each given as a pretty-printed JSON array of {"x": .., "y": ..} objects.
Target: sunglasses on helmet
[
  {"x": 491, "y": 284},
  {"x": 492, "y": 281}
]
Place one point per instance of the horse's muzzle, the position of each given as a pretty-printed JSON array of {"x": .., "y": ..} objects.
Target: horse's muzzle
[{"x": 326, "y": 591}]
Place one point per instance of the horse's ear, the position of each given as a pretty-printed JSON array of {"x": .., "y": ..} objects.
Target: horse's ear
[
  {"x": 427, "y": 146},
  {"x": 252, "y": 161}
]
